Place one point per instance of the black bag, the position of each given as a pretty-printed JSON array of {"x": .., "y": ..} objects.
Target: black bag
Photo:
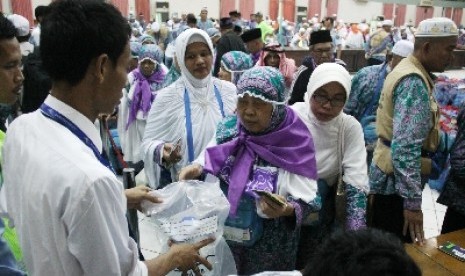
[{"x": 37, "y": 83}]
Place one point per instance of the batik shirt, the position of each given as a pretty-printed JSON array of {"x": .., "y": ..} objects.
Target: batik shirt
[
  {"x": 361, "y": 93},
  {"x": 411, "y": 125},
  {"x": 453, "y": 194}
]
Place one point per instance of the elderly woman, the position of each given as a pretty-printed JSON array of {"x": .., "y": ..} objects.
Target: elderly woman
[
  {"x": 273, "y": 55},
  {"x": 339, "y": 147},
  {"x": 183, "y": 119},
  {"x": 233, "y": 64},
  {"x": 138, "y": 95},
  {"x": 147, "y": 39},
  {"x": 264, "y": 148}
]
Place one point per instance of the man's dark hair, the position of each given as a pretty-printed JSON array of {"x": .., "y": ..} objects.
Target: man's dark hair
[
  {"x": 77, "y": 31},
  {"x": 7, "y": 29},
  {"x": 369, "y": 252},
  {"x": 41, "y": 11},
  {"x": 330, "y": 19},
  {"x": 191, "y": 19}
]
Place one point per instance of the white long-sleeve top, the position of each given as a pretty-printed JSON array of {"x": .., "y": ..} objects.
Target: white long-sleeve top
[
  {"x": 166, "y": 122},
  {"x": 325, "y": 138},
  {"x": 131, "y": 138},
  {"x": 68, "y": 208}
]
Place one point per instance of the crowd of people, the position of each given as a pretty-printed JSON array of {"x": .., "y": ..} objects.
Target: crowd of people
[{"x": 198, "y": 99}]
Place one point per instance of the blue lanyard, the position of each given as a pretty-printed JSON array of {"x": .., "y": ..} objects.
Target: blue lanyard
[
  {"x": 56, "y": 116},
  {"x": 187, "y": 109}
]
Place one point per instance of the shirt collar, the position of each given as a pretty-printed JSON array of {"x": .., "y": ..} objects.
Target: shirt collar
[{"x": 81, "y": 121}]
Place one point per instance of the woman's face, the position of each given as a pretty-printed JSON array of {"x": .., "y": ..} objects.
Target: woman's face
[
  {"x": 327, "y": 101},
  {"x": 255, "y": 114},
  {"x": 133, "y": 63},
  {"x": 272, "y": 59},
  {"x": 198, "y": 60},
  {"x": 224, "y": 75},
  {"x": 147, "y": 67}
]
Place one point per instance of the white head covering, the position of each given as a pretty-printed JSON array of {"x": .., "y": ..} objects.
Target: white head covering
[
  {"x": 436, "y": 27},
  {"x": 403, "y": 48},
  {"x": 388, "y": 23},
  {"x": 21, "y": 24},
  {"x": 184, "y": 39},
  {"x": 326, "y": 73},
  {"x": 326, "y": 134},
  {"x": 155, "y": 27}
]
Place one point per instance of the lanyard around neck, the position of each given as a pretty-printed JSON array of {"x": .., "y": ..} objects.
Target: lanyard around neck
[
  {"x": 187, "y": 109},
  {"x": 56, "y": 116}
]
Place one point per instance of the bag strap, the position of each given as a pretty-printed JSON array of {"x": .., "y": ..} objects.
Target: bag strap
[
  {"x": 340, "y": 151},
  {"x": 119, "y": 156}
]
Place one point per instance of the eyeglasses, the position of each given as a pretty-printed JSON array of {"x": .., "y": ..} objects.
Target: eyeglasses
[
  {"x": 320, "y": 52},
  {"x": 334, "y": 102}
]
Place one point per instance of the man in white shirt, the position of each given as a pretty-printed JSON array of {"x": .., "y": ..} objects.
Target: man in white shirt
[{"x": 67, "y": 204}]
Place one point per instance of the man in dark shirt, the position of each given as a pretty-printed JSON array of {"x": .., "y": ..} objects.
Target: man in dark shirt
[
  {"x": 253, "y": 40},
  {"x": 229, "y": 41},
  {"x": 321, "y": 51}
]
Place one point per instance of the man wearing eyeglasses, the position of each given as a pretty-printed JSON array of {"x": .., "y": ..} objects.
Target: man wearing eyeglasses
[{"x": 321, "y": 51}]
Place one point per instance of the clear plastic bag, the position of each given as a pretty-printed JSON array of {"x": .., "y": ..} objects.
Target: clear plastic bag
[{"x": 192, "y": 211}]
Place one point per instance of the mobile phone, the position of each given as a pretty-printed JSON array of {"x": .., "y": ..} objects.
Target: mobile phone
[
  {"x": 175, "y": 145},
  {"x": 272, "y": 197}
]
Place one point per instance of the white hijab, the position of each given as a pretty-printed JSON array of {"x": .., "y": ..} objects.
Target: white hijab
[
  {"x": 325, "y": 134},
  {"x": 166, "y": 122},
  {"x": 184, "y": 39}
]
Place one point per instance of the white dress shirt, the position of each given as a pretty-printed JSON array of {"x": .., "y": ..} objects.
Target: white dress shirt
[{"x": 68, "y": 208}]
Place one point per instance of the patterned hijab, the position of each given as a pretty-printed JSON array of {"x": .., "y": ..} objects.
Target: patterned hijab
[
  {"x": 135, "y": 48},
  {"x": 147, "y": 39},
  {"x": 151, "y": 52},
  {"x": 265, "y": 83},
  {"x": 236, "y": 62}
]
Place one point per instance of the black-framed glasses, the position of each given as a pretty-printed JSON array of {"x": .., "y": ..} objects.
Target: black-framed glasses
[
  {"x": 320, "y": 52},
  {"x": 334, "y": 102}
]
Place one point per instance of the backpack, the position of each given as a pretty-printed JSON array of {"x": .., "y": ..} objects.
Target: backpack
[{"x": 37, "y": 82}]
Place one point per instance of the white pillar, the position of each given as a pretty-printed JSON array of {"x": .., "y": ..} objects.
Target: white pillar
[{"x": 280, "y": 11}]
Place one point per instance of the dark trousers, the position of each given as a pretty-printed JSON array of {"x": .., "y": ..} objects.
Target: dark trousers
[
  {"x": 311, "y": 236},
  {"x": 453, "y": 221},
  {"x": 387, "y": 213}
]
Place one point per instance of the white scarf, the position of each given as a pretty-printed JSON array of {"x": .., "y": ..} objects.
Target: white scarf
[
  {"x": 325, "y": 134},
  {"x": 184, "y": 39}
]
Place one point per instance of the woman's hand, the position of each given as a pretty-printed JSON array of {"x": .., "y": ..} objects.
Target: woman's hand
[
  {"x": 172, "y": 153},
  {"x": 273, "y": 210},
  {"x": 192, "y": 171}
]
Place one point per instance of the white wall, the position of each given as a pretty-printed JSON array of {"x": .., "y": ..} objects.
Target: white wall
[
  {"x": 411, "y": 13},
  {"x": 437, "y": 12},
  {"x": 262, "y": 6},
  {"x": 355, "y": 11},
  {"x": 6, "y": 6},
  {"x": 194, "y": 6}
]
